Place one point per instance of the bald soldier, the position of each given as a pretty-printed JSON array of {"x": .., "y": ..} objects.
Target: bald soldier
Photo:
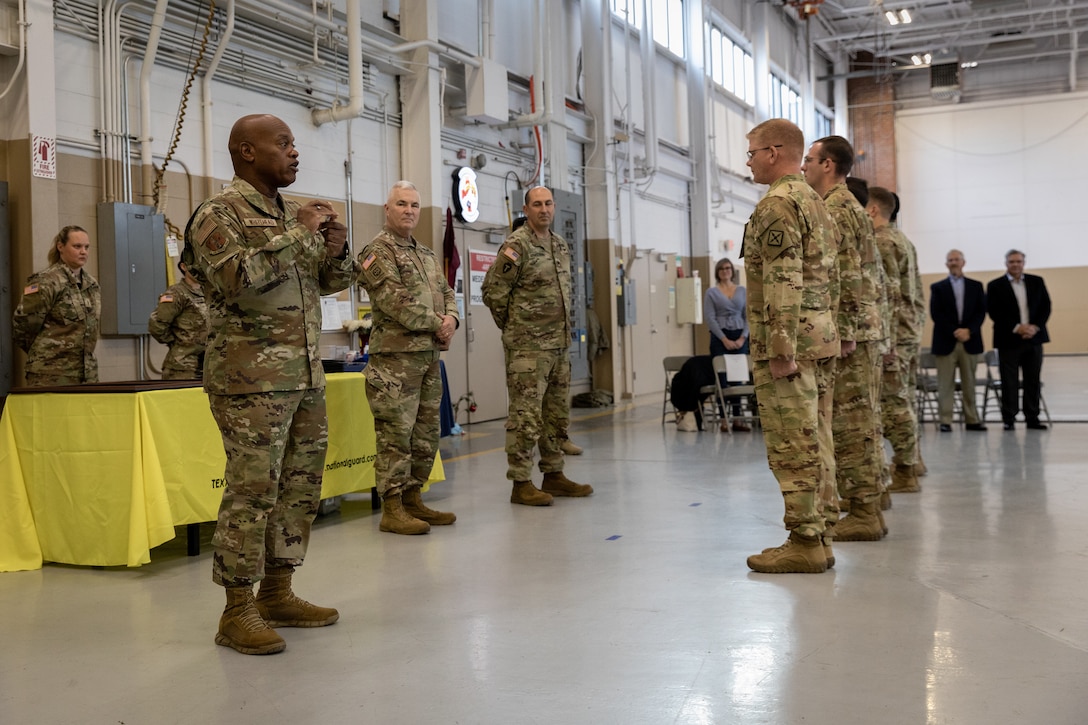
[
  {"x": 264, "y": 263},
  {"x": 527, "y": 289},
  {"x": 790, "y": 245}
]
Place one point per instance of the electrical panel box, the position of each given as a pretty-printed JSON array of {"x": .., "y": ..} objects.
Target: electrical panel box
[
  {"x": 487, "y": 93},
  {"x": 627, "y": 304},
  {"x": 132, "y": 265},
  {"x": 689, "y": 301},
  {"x": 569, "y": 223}
]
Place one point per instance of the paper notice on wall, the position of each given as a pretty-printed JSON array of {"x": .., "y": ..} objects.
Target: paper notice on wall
[
  {"x": 43, "y": 155},
  {"x": 330, "y": 314}
]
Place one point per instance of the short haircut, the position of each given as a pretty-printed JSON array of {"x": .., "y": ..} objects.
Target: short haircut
[
  {"x": 840, "y": 151},
  {"x": 859, "y": 188},
  {"x": 402, "y": 184},
  {"x": 895, "y": 211},
  {"x": 519, "y": 222},
  {"x": 531, "y": 189},
  {"x": 883, "y": 199},
  {"x": 1012, "y": 252},
  {"x": 780, "y": 132}
]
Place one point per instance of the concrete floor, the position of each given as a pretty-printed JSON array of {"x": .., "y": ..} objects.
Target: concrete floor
[{"x": 632, "y": 606}]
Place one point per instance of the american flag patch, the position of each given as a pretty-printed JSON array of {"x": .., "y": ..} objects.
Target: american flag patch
[
  {"x": 509, "y": 252},
  {"x": 369, "y": 261},
  {"x": 30, "y": 289},
  {"x": 166, "y": 298}
]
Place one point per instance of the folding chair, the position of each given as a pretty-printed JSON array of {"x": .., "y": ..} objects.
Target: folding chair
[
  {"x": 672, "y": 365},
  {"x": 925, "y": 386},
  {"x": 738, "y": 373}
]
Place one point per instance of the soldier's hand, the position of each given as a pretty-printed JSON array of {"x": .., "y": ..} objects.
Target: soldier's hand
[
  {"x": 847, "y": 347},
  {"x": 336, "y": 237},
  {"x": 314, "y": 213},
  {"x": 782, "y": 368}
]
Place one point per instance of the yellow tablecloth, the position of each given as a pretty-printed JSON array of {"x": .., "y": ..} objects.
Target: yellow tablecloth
[{"x": 100, "y": 479}]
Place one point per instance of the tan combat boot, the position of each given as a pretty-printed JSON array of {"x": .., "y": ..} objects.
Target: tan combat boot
[
  {"x": 280, "y": 607},
  {"x": 558, "y": 484},
  {"x": 920, "y": 467},
  {"x": 828, "y": 553},
  {"x": 398, "y": 521},
  {"x": 904, "y": 480},
  {"x": 412, "y": 498},
  {"x": 799, "y": 555},
  {"x": 861, "y": 524},
  {"x": 242, "y": 628},
  {"x": 570, "y": 448},
  {"x": 885, "y": 500},
  {"x": 526, "y": 493}
]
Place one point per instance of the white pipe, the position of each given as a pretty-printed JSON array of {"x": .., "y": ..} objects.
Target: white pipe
[
  {"x": 145, "y": 97},
  {"x": 649, "y": 112},
  {"x": 354, "y": 108},
  {"x": 206, "y": 105},
  {"x": 487, "y": 29},
  {"x": 22, "y": 47},
  {"x": 543, "y": 115},
  {"x": 106, "y": 88}
]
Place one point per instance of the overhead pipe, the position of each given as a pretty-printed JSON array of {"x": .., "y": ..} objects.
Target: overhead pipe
[
  {"x": 354, "y": 107},
  {"x": 146, "y": 162},
  {"x": 22, "y": 47},
  {"x": 206, "y": 93}
]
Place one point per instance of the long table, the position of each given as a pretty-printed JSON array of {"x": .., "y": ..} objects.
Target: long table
[{"x": 100, "y": 479}]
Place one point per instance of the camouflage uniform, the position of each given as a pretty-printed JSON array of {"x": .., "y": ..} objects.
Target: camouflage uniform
[
  {"x": 263, "y": 273},
  {"x": 907, "y": 315},
  {"x": 410, "y": 295},
  {"x": 859, "y": 455},
  {"x": 790, "y": 246},
  {"x": 56, "y": 324},
  {"x": 181, "y": 321},
  {"x": 528, "y": 290}
]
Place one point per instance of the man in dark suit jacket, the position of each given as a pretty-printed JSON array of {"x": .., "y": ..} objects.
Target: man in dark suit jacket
[
  {"x": 1019, "y": 305},
  {"x": 958, "y": 308}
]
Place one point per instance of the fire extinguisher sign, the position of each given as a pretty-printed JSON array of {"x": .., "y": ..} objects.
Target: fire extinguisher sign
[{"x": 43, "y": 154}]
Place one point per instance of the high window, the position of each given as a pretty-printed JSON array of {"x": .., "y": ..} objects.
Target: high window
[
  {"x": 730, "y": 66},
  {"x": 668, "y": 20},
  {"x": 785, "y": 102}
]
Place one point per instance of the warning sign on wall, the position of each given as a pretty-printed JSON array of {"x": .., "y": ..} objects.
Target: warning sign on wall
[{"x": 43, "y": 154}]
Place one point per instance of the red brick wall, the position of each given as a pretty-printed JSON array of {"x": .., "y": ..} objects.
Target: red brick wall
[{"x": 872, "y": 125}]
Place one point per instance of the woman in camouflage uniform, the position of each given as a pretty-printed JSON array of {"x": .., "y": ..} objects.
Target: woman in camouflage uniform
[
  {"x": 181, "y": 322},
  {"x": 57, "y": 322}
]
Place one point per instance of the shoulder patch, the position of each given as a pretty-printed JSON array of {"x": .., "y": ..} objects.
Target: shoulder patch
[
  {"x": 774, "y": 237},
  {"x": 369, "y": 261},
  {"x": 30, "y": 289},
  {"x": 209, "y": 236},
  {"x": 166, "y": 297},
  {"x": 509, "y": 252}
]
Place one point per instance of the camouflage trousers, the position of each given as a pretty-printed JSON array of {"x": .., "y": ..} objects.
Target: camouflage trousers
[
  {"x": 795, "y": 413},
  {"x": 405, "y": 391},
  {"x": 173, "y": 373},
  {"x": 275, "y": 444},
  {"x": 859, "y": 444},
  {"x": 538, "y": 385},
  {"x": 898, "y": 417}
]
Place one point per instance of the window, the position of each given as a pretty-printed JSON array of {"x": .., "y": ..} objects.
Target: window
[
  {"x": 824, "y": 123},
  {"x": 730, "y": 66},
  {"x": 668, "y": 20},
  {"x": 785, "y": 102}
]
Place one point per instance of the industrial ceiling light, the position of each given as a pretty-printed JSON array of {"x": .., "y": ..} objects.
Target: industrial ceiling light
[
  {"x": 918, "y": 59},
  {"x": 897, "y": 17}
]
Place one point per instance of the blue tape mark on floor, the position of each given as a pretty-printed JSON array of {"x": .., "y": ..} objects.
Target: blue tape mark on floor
[
  {"x": 694, "y": 504},
  {"x": 613, "y": 537}
]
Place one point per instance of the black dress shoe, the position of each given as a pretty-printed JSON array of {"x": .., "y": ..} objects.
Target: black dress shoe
[
  {"x": 1010, "y": 426},
  {"x": 1037, "y": 426},
  {"x": 946, "y": 428},
  {"x": 976, "y": 426}
]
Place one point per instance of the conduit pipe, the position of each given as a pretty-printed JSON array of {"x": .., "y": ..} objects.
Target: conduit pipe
[
  {"x": 354, "y": 107},
  {"x": 22, "y": 47},
  {"x": 649, "y": 112},
  {"x": 544, "y": 115},
  {"x": 146, "y": 163},
  {"x": 206, "y": 92}
]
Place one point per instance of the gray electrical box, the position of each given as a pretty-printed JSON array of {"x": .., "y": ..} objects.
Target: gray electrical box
[
  {"x": 569, "y": 223},
  {"x": 132, "y": 265}
]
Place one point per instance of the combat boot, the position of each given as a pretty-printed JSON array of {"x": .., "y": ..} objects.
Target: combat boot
[
  {"x": 920, "y": 467},
  {"x": 799, "y": 555},
  {"x": 885, "y": 500},
  {"x": 904, "y": 480},
  {"x": 861, "y": 524},
  {"x": 412, "y": 498},
  {"x": 398, "y": 521},
  {"x": 526, "y": 493},
  {"x": 828, "y": 553},
  {"x": 280, "y": 607},
  {"x": 558, "y": 484},
  {"x": 570, "y": 448},
  {"x": 242, "y": 628}
]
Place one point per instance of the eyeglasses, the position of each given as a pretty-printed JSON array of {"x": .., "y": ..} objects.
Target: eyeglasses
[
  {"x": 810, "y": 159},
  {"x": 753, "y": 152}
]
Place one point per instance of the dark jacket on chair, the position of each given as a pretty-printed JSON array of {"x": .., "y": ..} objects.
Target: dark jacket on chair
[
  {"x": 1001, "y": 302},
  {"x": 942, "y": 308}
]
